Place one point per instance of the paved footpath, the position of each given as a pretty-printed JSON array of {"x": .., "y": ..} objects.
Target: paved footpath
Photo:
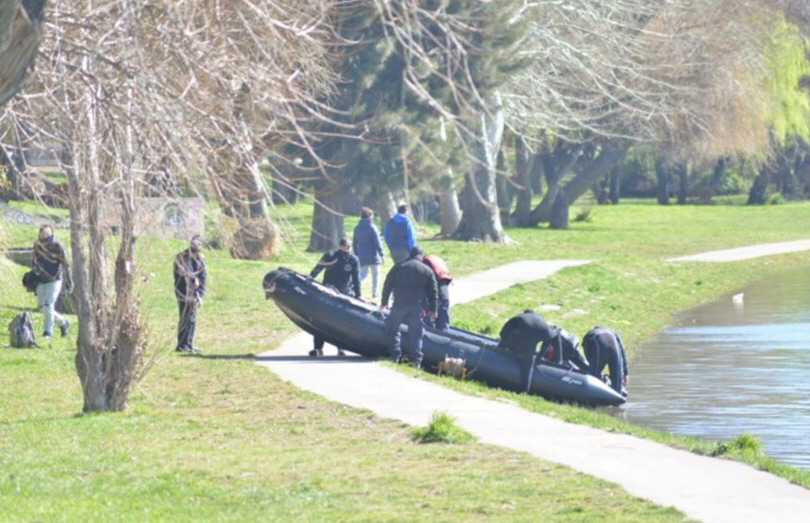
[{"x": 703, "y": 488}]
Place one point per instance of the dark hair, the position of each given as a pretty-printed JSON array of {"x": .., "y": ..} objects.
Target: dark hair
[
  {"x": 402, "y": 209},
  {"x": 343, "y": 242},
  {"x": 417, "y": 251},
  {"x": 365, "y": 212}
]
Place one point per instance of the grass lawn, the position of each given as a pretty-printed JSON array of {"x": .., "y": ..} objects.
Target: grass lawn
[{"x": 219, "y": 438}]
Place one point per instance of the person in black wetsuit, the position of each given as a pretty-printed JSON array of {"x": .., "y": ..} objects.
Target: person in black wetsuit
[
  {"x": 412, "y": 283},
  {"x": 603, "y": 347},
  {"x": 341, "y": 271},
  {"x": 521, "y": 334}
]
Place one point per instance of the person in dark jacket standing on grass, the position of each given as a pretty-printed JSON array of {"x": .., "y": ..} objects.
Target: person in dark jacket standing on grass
[
  {"x": 521, "y": 334},
  {"x": 400, "y": 235},
  {"x": 443, "y": 280},
  {"x": 603, "y": 347},
  {"x": 189, "y": 288},
  {"x": 411, "y": 282},
  {"x": 341, "y": 271},
  {"x": 50, "y": 266},
  {"x": 368, "y": 249}
]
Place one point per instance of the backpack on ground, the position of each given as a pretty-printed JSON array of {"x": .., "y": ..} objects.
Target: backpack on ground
[{"x": 21, "y": 332}]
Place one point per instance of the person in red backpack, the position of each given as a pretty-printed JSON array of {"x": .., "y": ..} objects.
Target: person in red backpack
[{"x": 443, "y": 279}]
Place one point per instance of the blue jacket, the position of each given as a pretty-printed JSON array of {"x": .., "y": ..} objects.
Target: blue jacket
[
  {"x": 399, "y": 233},
  {"x": 366, "y": 243}
]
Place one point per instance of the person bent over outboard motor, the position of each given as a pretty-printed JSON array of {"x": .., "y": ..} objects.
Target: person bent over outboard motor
[
  {"x": 564, "y": 344},
  {"x": 603, "y": 347},
  {"x": 521, "y": 334}
]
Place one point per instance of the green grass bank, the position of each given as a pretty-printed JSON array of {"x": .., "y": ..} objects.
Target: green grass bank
[{"x": 219, "y": 438}]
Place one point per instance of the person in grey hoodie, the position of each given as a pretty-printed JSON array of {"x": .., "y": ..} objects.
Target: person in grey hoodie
[
  {"x": 400, "y": 235},
  {"x": 368, "y": 249}
]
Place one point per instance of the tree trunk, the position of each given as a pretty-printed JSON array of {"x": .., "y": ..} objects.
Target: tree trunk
[
  {"x": 20, "y": 33},
  {"x": 615, "y": 184},
  {"x": 662, "y": 181},
  {"x": 480, "y": 219},
  {"x": 717, "y": 177},
  {"x": 555, "y": 166},
  {"x": 451, "y": 213},
  {"x": 683, "y": 182},
  {"x": 609, "y": 156},
  {"x": 537, "y": 172},
  {"x": 502, "y": 179},
  {"x": 523, "y": 210},
  {"x": 327, "y": 220},
  {"x": 559, "y": 211},
  {"x": 758, "y": 191}
]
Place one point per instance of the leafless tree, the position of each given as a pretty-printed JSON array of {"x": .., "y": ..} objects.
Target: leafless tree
[{"x": 129, "y": 88}]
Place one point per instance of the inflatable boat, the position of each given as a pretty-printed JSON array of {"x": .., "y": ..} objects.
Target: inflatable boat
[{"x": 358, "y": 326}]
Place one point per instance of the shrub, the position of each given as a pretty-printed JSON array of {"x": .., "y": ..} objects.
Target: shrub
[{"x": 442, "y": 429}]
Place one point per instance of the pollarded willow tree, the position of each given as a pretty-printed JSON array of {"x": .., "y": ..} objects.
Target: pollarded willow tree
[
  {"x": 128, "y": 90},
  {"x": 679, "y": 73}
]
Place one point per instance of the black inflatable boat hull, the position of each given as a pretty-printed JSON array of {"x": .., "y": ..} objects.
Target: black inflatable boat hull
[{"x": 357, "y": 326}]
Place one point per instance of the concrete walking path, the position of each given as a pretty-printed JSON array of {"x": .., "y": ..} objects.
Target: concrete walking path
[
  {"x": 703, "y": 488},
  {"x": 746, "y": 253}
]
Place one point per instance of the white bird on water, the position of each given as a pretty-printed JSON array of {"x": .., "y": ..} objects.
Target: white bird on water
[{"x": 737, "y": 299}]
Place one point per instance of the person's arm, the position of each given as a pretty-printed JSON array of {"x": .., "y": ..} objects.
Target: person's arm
[
  {"x": 201, "y": 279},
  {"x": 321, "y": 265},
  {"x": 356, "y": 276},
  {"x": 388, "y": 286},
  {"x": 433, "y": 295},
  {"x": 377, "y": 242},
  {"x": 411, "y": 235}
]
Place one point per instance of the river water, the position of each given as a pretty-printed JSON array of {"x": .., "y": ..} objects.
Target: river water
[{"x": 739, "y": 364}]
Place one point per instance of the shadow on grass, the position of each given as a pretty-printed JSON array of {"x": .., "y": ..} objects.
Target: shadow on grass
[
  {"x": 353, "y": 358},
  {"x": 248, "y": 356}
]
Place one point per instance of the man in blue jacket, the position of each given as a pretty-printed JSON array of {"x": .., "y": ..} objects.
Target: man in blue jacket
[
  {"x": 400, "y": 235},
  {"x": 368, "y": 249}
]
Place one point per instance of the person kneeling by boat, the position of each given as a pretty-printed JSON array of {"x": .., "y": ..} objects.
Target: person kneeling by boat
[
  {"x": 341, "y": 272},
  {"x": 566, "y": 343},
  {"x": 521, "y": 334},
  {"x": 411, "y": 282},
  {"x": 603, "y": 347}
]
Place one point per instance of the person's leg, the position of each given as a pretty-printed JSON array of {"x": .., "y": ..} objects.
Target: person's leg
[
  {"x": 616, "y": 369},
  {"x": 192, "y": 323},
  {"x": 46, "y": 299},
  {"x": 182, "y": 326},
  {"x": 415, "y": 332},
  {"x": 41, "y": 305},
  {"x": 363, "y": 272},
  {"x": 375, "y": 281},
  {"x": 58, "y": 318},
  {"x": 317, "y": 346},
  {"x": 394, "y": 336},
  {"x": 443, "y": 315}
]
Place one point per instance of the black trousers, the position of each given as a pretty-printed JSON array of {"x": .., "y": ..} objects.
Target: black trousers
[
  {"x": 600, "y": 355},
  {"x": 411, "y": 316},
  {"x": 187, "y": 323}
]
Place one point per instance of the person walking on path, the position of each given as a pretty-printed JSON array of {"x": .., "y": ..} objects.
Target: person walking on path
[
  {"x": 603, "y": 347},
  {"x": 411, "y": 283},
  {"x": 341, "y": 271},
  {"x": 189, "y": 288},
  {"x": 521, "y": 334},
  {"x": 368, "y": 249},
  {"x": 50, "y": 266},
  {"x": 443, "y": 280},
  {"x": 400, "y": 235}
]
